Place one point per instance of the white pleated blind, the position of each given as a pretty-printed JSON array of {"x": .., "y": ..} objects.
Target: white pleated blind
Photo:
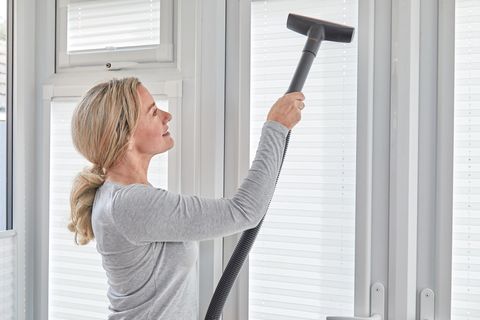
[
  {"x": 466, "y": 197},
  {"x": 77, "y": 280},
  {"x": 3, "y": 116},
  {"x": 302, "y": 264},
  {"x": 3, "y": 129},
  {"x": 112, "y": 24},
  {"x": 8, "y": 278}
]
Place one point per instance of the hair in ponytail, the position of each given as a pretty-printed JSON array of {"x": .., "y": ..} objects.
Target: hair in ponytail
[{"x": 102, "y": 125}]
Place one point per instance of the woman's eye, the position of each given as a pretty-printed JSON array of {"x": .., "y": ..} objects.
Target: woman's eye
[{"x": 154, "y": 112}]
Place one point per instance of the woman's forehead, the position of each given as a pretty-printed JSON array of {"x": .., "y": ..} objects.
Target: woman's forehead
[{"x": 145, "y": 97}]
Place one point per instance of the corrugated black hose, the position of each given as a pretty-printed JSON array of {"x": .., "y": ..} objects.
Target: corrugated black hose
[{"x": 235, "y": 263}]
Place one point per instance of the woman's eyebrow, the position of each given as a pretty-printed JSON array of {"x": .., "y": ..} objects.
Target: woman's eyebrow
[{"x": 151, "y": 106}]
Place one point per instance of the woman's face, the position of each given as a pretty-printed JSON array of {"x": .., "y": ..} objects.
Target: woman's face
[{"x": 149, "y": 136}]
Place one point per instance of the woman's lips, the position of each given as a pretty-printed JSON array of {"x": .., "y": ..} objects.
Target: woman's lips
[{"x": 166, "y": 133}]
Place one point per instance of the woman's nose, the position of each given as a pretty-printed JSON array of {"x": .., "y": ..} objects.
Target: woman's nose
[{"x": 168, "y": 116}]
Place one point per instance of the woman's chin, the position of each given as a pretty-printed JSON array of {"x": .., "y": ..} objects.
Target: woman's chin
[{"x": 169, "y": 142}]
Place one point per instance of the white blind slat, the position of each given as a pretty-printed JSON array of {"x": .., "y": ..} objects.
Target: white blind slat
[
  {"x": 466, "y": 185},
  {"x": 108, "y": 24},
  {"x": 302, "y": 263}
]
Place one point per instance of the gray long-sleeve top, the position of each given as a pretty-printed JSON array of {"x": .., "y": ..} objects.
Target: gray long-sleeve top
[{"x": 148, "y": 237}]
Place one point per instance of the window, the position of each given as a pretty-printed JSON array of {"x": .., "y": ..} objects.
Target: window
[
  {"x": 303, "y": 261},
  {"x": 466, "y": 185},
  {"x": 164, "y": 79},
  {"x": 100, "y": 32},
  {"x": 109, "y": 25},
  {"x": 77, "y": 280}
]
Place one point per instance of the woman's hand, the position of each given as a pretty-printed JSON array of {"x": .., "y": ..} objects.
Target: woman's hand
[{"x": 288, "y": 109}]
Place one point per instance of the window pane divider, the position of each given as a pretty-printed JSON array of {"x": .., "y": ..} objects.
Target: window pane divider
[
  {"x": 444, "y": 172},
  {"x": 404, "y": 108}
]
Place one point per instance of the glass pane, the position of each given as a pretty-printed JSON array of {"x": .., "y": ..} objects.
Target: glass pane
[
  {"x": 77, "y": 280},
  {"x": 466, "y": 184},
  {"x": 112, "y": 24},
  {"x": 3, "y": 114},
  {"x": 302, "y": 263}
]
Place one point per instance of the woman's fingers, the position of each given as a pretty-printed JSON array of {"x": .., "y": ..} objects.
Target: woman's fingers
[
  {"x": 300, "y": 104},
  {"x": 296, "y": 95},
  {"x": 287, "y": 109}
]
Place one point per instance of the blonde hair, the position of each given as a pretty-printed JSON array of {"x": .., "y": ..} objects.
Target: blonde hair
[{"x": 102, "y": 125}]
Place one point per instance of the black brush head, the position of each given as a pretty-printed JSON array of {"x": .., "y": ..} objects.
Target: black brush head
[{"x": 331, "y": 31}]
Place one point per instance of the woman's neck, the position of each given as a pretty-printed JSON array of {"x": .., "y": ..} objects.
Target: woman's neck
[{"x": 133, "y": 169}]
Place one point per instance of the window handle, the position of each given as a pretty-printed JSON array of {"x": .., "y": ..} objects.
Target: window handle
[
  {"x": 377, "y": 305},
  {"x": 427, "y": 304},
  {"x": 374, "y": 317},
  {"x": 119, "y": 65}
]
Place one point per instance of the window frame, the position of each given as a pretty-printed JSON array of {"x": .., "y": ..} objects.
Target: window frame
[
  {"x": 445, "y": 159},
  {"x": 167, "y": 90},
  {"x": 237, "y": 143},
  {"x": 202, "y": 112},
  {"x": 145, "y": 57},
  {"x": 24, "y": 140},
  {"x": 436, "y": 160}
]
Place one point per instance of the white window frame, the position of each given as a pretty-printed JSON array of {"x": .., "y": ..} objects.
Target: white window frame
[
  {"x": 197, "y": 75},
  {"x": 24, "y": 197},
  {"x": 164, "y": 53},
  {"x": 445, "y": 160},
  {"x": 168, "y": 90},
  {"x": 404, "y": 126},
  {"x": 436, "y": 159},
  {"x": 371, "y": 241},
  {"x": 436, "y": 164}
]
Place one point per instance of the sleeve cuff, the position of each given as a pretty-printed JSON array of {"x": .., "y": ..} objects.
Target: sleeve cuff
[{"x": 277, "y": 126}]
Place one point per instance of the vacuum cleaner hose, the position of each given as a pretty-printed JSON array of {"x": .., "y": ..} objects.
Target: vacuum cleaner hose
[
  {"x": 235, "y": 263},
  {"x": 316, "y": 31}
]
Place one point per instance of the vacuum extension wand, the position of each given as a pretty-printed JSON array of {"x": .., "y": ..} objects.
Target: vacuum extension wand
[{"x": 316, "y": 31}]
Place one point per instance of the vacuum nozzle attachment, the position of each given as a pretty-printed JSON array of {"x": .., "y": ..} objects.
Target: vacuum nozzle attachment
[{"x": 318, "y": 30}]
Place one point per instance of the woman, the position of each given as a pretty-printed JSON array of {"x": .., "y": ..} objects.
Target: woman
[{"x": 148, "y": 237}]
